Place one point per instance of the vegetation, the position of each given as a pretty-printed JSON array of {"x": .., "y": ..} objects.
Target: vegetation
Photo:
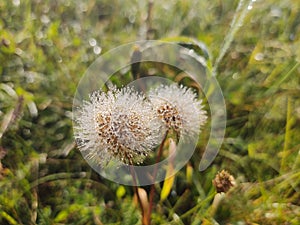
[{"x": 254, "y": 52}]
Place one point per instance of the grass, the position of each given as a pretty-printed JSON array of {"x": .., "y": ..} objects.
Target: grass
[{"x": 45, "y": 48}]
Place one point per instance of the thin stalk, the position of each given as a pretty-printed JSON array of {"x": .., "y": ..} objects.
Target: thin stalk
[
  {"x": 149, "y": 19},
  {"x": 236, "y": 23},
  {"x": 152, "y": 189},
  {"x": 198, "y": 206},
  {"x": 287, "y": 136},
  {"x": 135, "y": 188}
]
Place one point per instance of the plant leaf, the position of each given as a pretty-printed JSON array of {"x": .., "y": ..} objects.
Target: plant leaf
[{"x": 168, "y": 183}]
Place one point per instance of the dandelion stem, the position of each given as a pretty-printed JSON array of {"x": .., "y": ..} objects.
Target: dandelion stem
[
  {"x": 144, "y": 219},
  {"x": 151, "y": 195}
]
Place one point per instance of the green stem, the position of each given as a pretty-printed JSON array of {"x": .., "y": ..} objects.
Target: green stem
[
  {"x": 287, "y": 136},
  {"x": 196, "y": 208},
  {"x": 236, "y": 23}
]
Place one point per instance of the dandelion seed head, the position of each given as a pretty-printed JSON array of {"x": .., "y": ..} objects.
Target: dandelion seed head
[
  {"x": 170, "y": 115},
  {"x": 118, "y": 125},
  {"x": 179, "y": 109}
]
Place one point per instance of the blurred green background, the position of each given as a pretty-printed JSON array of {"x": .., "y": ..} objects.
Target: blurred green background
[{"x": 45, "y": 48}]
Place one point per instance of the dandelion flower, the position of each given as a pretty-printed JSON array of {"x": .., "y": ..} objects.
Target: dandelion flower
[
  {"x": 117, "y": 125},
  {"x": 179, "y": 109}
]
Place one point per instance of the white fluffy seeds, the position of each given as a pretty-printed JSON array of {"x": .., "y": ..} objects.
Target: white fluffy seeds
[{"x": 126, "y": 126}]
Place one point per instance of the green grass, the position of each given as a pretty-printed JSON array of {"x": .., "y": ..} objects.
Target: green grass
[{"x": 254, "y": 54}]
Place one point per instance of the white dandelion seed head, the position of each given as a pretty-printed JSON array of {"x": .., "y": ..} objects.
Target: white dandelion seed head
[
  {"x": 118, "y": 125},
  {"x": 179, "y": 109}
]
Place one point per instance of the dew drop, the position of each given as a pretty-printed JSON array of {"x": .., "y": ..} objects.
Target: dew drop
[
  {"x": 234, "y": 55},
  {"x": 97, "y": 50},
  {"x": 16, "y": 2},
  {"x": 131, "y": 18},
  {"x": 18, "y": 51},
  {"x": 235, "y": 76},
  {"x": 292, "y": 37},
  {"x": 83, "y": 7},
  {"x": 45, "y": 19},
  {"x": 76, "y": 27},
  {"x": 39, "y": 34},
  {"x": 276, "y": 12},
  {"x": 46, "y": 9},
  {"x": 92, "y": 42},
  {"x": 30, "y": 77},
  {"x": 26, "y": 132},
  {"x": 67, "y": 3},
  {"x": 33, "y": 16},
  {"x": 259, "y": 56}
]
